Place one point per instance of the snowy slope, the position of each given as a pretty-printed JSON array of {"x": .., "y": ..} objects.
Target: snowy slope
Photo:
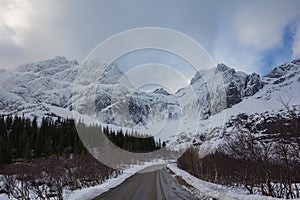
[
  {"x": 47, "y": 87},
  {"x": 34, "y": 84},
  {"x": 281, "y": 84},
  {"x": 205, "y": 190}
]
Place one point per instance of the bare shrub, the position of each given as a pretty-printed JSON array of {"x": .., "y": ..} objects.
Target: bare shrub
[{"x": 46, "y": 178}]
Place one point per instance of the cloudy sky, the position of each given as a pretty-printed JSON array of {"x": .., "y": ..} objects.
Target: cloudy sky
[{"x": 253, "y": 35}]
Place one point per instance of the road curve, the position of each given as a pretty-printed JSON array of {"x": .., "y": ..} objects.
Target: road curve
[{"x": 148, "y": 186}]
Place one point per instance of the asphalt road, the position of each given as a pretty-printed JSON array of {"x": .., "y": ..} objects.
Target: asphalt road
[{"x": 149, "y": 186}]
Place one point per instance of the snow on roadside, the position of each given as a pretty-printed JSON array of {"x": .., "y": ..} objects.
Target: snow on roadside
[
  {"x": 206, "y": 190},
  {"x": 3, "y": 197},
  {"x": 92, "y": 192}
]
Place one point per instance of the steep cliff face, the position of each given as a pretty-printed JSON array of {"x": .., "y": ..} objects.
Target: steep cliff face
[
  {"x": 35, "y": 87},
  {"x": 235, "y": 84},
  {"x": 263, "y": 112},
  {"x": 31, "y": 85}
]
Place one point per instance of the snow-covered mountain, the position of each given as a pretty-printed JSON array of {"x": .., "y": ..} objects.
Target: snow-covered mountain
[
  {"x": 280, "y": 86},
  {"x": 56, "y": 85},
  {"x": 34, "y": 85}
]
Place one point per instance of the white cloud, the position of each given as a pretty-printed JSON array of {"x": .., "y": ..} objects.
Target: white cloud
[
  {"x": 14, "y": 21},
  {"x": 260, "y": 24},
  {"x": 229, "y": 52},
  {"x": 234, "y": 32},
  {"x": 249, "y": 29},
  {"x": 296, "y": 44},
  {"x": 161, "y": 76}
]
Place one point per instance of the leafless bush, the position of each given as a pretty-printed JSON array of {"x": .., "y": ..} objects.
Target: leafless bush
[
  {"x": 262, "y": 156},
  {"x": 47, "y": 178}
]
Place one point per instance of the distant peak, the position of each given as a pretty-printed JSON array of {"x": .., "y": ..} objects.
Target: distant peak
[
  {"x": 46, "y": 64},
  {"x": 61, "y": 59},
  {"x": 197, "y": 76},
  {"x": 161, "y": 91},
  {"x": 222, "y": 67},
  {"x": 56, "y": 60},
  {"x": 284, "y": 69},
  {"x": 296, "y": 61}
]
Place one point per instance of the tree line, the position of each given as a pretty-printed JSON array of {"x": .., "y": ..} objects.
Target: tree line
[
  {"x": 133, "y": 141},
  {"x": 40, "y": 158},
  {"x": 23, "y": 138}
]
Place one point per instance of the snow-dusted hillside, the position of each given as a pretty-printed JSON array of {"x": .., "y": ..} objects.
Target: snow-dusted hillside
[
  {"x": 59, "y": 86},
  {"x": 32, "y": 86},
  {"x": 282, "y": 84}
]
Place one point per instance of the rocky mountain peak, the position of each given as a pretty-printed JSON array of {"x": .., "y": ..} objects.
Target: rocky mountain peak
[
  {"x": 58, "y": 61},
  {"x": 197, "y": 76},
  {"x": 222, "y": 67},
  {"x": 111, "y": 75},
  {"x": 161, "y": 91},
  {"x": 35, "y": 87},
  {"x": 282, "y": 70},
  {"x": 296, "y": 62}
]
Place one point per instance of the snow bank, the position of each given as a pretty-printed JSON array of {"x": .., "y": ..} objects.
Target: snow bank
[
  {"x": 3, "y": 197},
  {"x": 206, "y": 190}
]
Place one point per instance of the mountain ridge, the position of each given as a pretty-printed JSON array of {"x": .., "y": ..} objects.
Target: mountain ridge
[{"x": 35, "y": 88}]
